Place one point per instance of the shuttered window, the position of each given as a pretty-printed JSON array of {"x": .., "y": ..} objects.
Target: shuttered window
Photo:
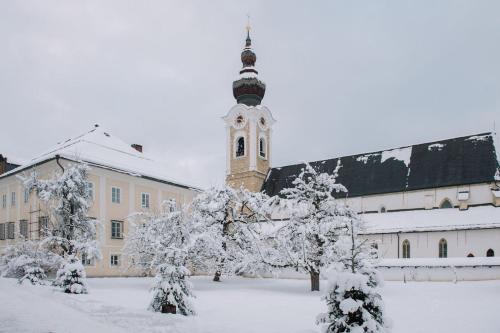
[
  {"x": 10, "y": 230},
  {"x": 23, "y": 228}
]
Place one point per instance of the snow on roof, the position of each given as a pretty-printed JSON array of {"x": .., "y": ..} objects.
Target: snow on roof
[
  {"x": 432, "y": 220},
  {"x": 400, "y": 154},
  {"x": 98, "y": 147}
]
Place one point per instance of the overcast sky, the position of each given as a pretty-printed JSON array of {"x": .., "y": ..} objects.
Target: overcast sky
[{"x": 342, "y": 77}]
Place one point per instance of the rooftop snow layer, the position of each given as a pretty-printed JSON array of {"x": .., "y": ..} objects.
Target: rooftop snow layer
[
  {"x": 98, "y": 147},
  {"x": 459, "y": 161},
  {"x": 483, "y": 217}
]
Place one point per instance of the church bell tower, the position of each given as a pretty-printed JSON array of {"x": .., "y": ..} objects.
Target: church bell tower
[{"x": 248, "y": 127}]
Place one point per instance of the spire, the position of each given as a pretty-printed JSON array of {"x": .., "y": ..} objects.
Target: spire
[{"x": 248, "y": 89}]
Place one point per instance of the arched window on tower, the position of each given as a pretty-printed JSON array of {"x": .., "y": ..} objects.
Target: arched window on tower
[
  {"x": 240, "y": 147},
  {"x": 490, "y": 253},
  {"x": 262, "y": 148},
  {"x": 443, "y": 248},
  {"x": 446, "y": 204},
  {"x": 406, "y": 248}
]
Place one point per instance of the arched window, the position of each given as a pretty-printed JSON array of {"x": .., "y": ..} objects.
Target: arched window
[
  {"x": 446, "y": 204},
  {"x": 470, "y": 255},
  {"x": 383, "y": 209},
  {"x": 490, "y": 253},
  {"x": 406, "y": 248},
  {"x": 443, "y": 248},
  {"x": 240, "y": 147},
  {"x": 262, "y": 148}
]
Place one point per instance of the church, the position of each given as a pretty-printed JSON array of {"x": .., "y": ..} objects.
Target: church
[{"x": 437, "y": 199}]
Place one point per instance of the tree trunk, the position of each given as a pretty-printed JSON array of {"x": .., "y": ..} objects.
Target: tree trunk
[
  {"x": 314, "y": 281},
  {"x": 217, "y": 276}
]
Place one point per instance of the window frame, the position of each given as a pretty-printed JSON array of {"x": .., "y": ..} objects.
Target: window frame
[
  {"x": 4, "y": 200},
  {"x": 443, "y": 248},
  {"x": 114, "y": 234},
  {"x": 11, "y": 230},
  {"x": 236, "y": 146},
  {"x": 406, "y": 249},
  {"x": 92, "y": 190},
  {"x": 116, "y": 195},
  {"x": 263, "y": 142},
  {"x": 114, "y": 263},
  {"x": 444, "y": 201},
  {"x": 86, "y": 261},
  {"x": 23, "y": 228},
  {"x": 26, "y": 196},
  {"x": 43, "y": 226},
  {"x": 13, "y": 199},
  {"x": 145, "y": 204},
  {"x": 3, "y": 233}
]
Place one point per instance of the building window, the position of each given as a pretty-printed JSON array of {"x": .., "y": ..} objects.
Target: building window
[
  {"x": 443, "y": 248},
  {"x": 470, "y": 255},
  {"x": 145, "y": 200},
  {"x": 10, "y": 230},
  {"x": 26, "y": 195},
  {"x": 23, "y": 228},
  {"x": 240, "y": 147},
  {"x": 446, "y": 204},
  {"x": 86, "y": 261},
  {"x": 115, "y": 260},
  {"x": 406, "y": 249},
  {"x": 490, "y": 253},
  {"x": 91, "y": 190},
  {"x": 43, "y": 226},
  {"x": 116, "y": 229},
  {"x": 262, "y": 148},
  {"x": 2, "y": 231},
  {"x": 115, "y": 195},
  {"x": 383, "y": 209},
  {"x": 4, "y": 201},
  {"x": 13, "y": 199}
]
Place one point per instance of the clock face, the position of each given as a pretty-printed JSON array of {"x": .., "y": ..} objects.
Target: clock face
[{"x": 239, "y": 121}]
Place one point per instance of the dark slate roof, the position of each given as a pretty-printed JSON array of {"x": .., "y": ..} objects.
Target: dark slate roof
[{"x": 459, "y": 161}]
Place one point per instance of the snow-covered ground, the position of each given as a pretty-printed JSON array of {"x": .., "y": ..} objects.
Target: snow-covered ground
[{"x": 241, "y": 305}]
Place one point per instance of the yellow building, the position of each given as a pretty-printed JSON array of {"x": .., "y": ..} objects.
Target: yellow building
[{"x": 123, "y": 180}]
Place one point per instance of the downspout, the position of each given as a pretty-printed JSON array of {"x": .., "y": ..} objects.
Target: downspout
[{"x": 59, "y": 163}]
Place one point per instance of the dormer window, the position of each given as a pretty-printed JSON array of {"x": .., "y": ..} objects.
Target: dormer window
[
  {"x": 262, "y": 147},
  {"x": 240, "y": 147},
  {"x": 446, "y": 204}
]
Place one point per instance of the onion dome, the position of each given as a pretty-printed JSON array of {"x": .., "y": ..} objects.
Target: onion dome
[{"x": 248, "y": 89}]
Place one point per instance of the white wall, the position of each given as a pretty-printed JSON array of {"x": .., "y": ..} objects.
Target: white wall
[{"x": 425, "y": 244}]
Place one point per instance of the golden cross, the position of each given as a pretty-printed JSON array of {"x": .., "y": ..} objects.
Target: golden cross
[{"x": 248, "y": 23}]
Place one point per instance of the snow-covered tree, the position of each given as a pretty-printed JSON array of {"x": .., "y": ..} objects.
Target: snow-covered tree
[
  {"x": 172, "y": 291},
  {"x": 72, "y": 277},
  {"x": 353, "y": 300},
  {"x": 225, "y": 239},
  {"x": 158, "y": 242},
  {"x": 305, "y": 242},
  {"x": 28, "y": 262},
  {"x": 67, "y": 198}
]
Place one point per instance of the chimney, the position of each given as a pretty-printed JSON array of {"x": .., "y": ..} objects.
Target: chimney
[
  {"x": 137, "y": 147},
  {"x": 3, "y": 164}
]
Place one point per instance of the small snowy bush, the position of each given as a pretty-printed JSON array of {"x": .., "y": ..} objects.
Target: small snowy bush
[
  {"x": 71, "y": 277},
  {"x": 172, "y": 291},
  {"x": 27, "y": 261}
]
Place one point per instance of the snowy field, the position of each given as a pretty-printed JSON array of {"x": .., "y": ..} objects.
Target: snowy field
[{"x": 241, "y": 305}]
